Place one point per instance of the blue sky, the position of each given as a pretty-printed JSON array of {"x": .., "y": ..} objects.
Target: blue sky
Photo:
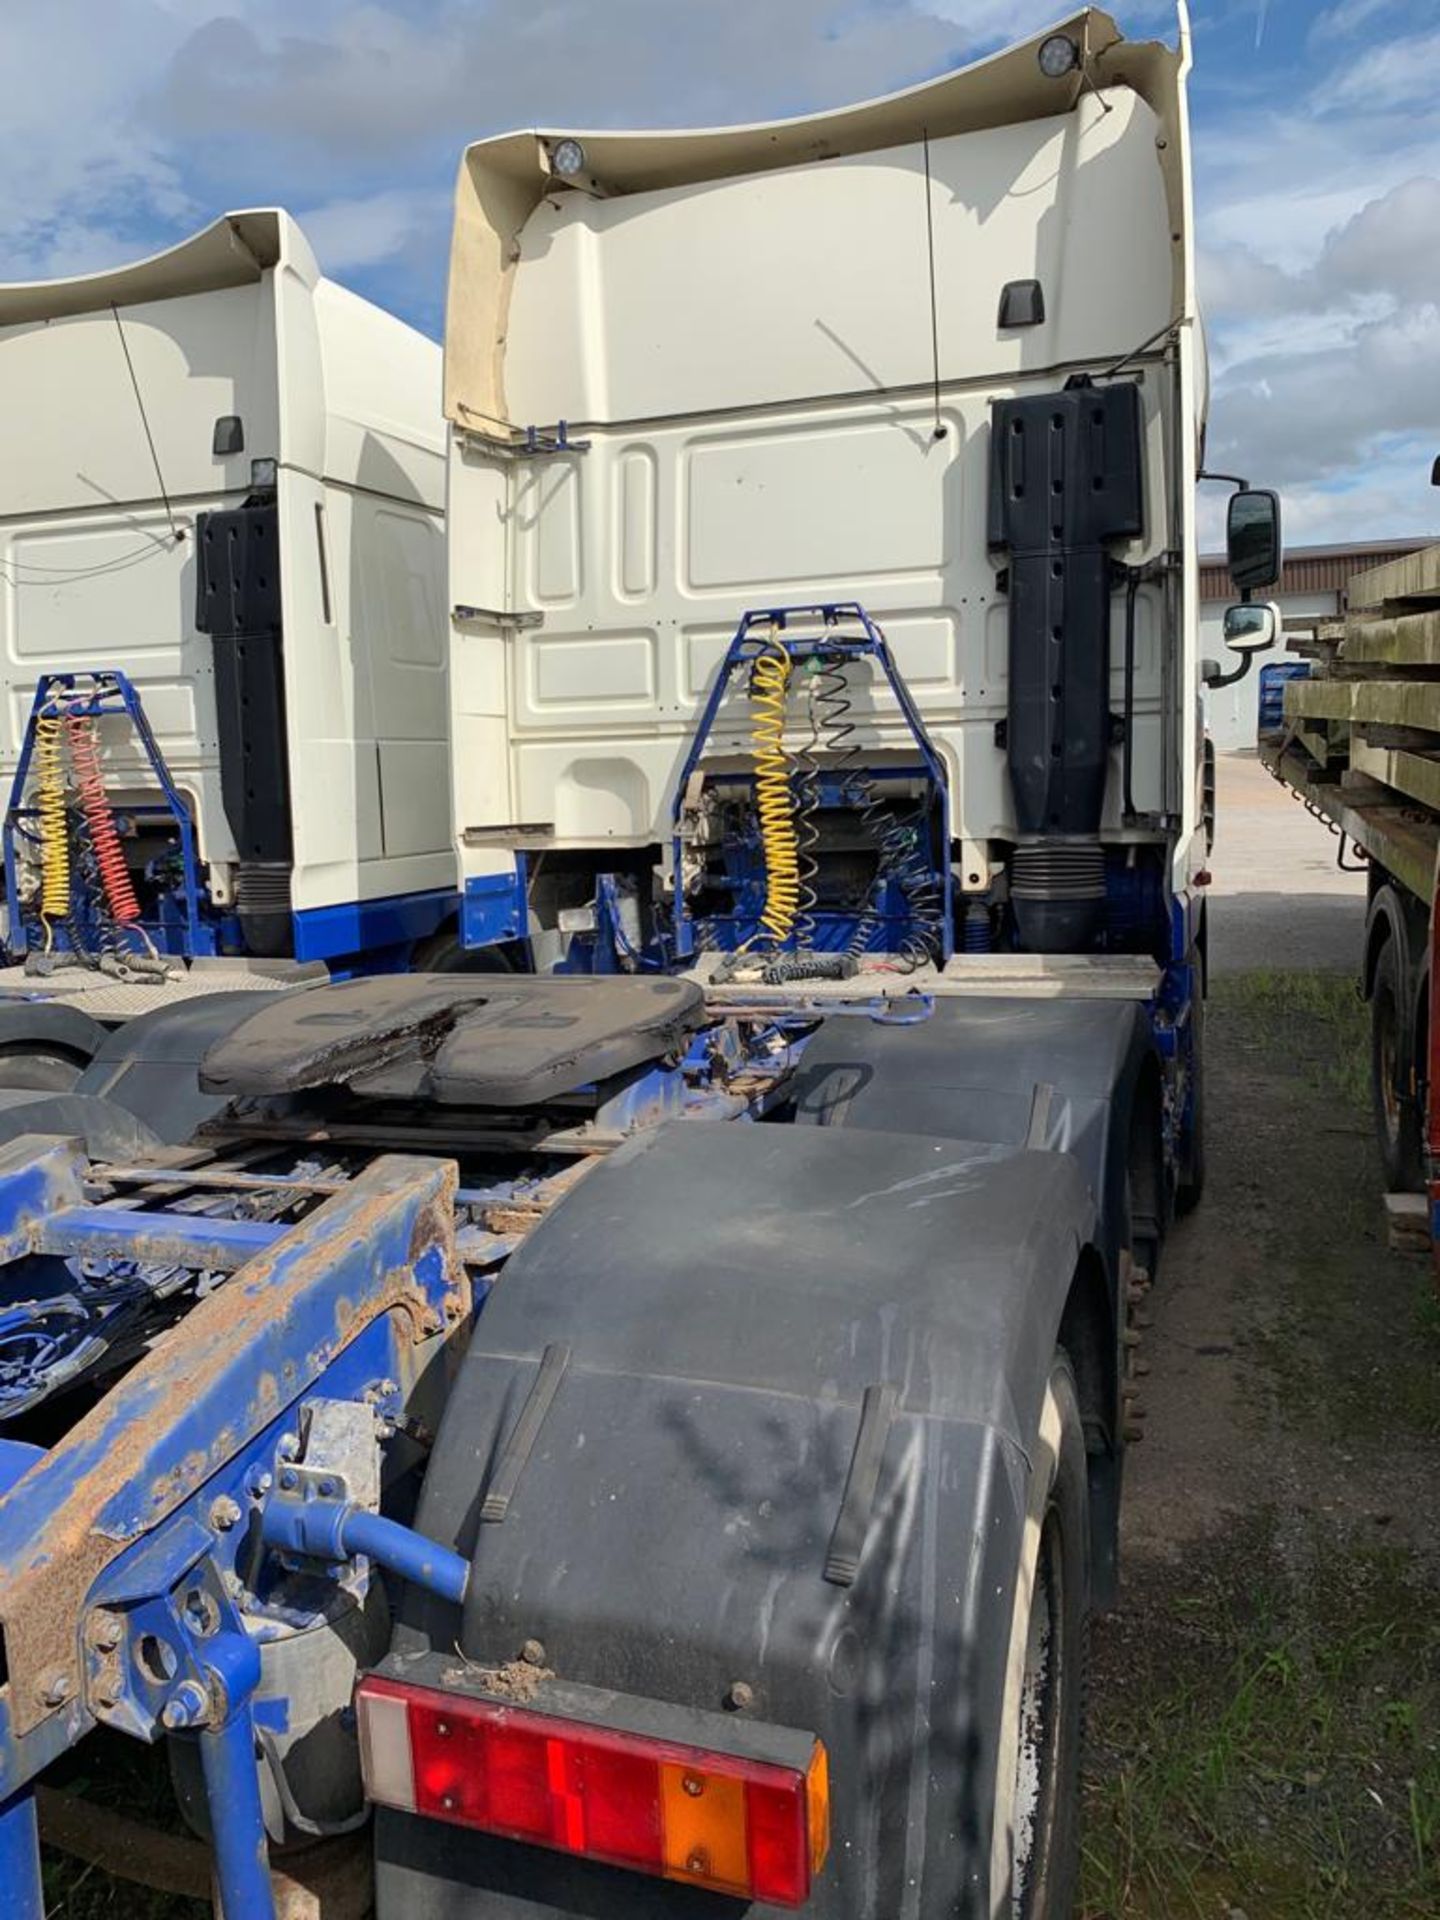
[{"x": 130, "y": 123}]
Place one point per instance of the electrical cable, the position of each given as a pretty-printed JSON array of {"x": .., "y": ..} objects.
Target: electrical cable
[
  {"x": 175, "y": 532},
  {"x": 939, "y": 430},
  {"x": 774, "y": 800},
  {"x": 54, "y": 823},
  {"x": 48, "y": 576},
  {"x": 900, "y": 856}
]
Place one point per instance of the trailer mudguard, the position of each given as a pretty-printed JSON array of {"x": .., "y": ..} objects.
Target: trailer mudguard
[{"x": 726, "y": 1295}]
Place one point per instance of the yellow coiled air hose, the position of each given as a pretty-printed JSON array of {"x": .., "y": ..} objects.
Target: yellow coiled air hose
[
  {"x": 774, "y": 801},
  {"x": 54, "y": 825}
]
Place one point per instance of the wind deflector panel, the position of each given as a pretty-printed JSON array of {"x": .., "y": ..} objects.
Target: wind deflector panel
[
  {"x": 1064, "y": 483},
  {"x": 237, "y": 602}
]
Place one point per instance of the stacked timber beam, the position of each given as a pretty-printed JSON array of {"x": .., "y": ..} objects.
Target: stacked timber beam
[{"x": 1361, "y": 735}]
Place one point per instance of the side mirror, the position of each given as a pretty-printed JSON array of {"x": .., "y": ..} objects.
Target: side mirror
[
  {"x": 1247, "y": 630},
  {"x": 1252, "y": 538},
  {"x": 1251, "y": 628},
  {"x": 1435, "y": 472}
]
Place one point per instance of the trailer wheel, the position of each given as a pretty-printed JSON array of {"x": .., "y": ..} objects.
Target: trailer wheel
[
  {"x": 1035, "y": 1836},
  {"x": 1397, "y": 1114}
]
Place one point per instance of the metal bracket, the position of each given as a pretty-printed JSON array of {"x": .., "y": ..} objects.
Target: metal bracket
[
  {"x": 171, "y": 1660},
  {"x": 342, "y": 1452},
  {"x": 534, "y": 443},
  {"x": 493, "y": 616}
]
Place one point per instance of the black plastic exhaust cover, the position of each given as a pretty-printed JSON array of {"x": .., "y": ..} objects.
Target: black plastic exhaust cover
[
  {"x": 1065, "y": 482},
  {"x": 237, "y": 602}
]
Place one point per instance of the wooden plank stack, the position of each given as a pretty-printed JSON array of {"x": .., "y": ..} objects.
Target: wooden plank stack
[{"x": 1361, "y": 737}]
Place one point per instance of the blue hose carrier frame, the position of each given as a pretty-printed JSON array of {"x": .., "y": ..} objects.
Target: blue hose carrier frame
[
  {"x": 761, "y": 628},
  {"x": 111, "y": 693}
]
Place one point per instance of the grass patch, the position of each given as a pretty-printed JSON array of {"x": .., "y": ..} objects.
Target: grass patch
[
  {"x": 134, "y": 1780},
  {"x": 1315, "y": 1022},
  {"x": 1270, "y": 1741}
]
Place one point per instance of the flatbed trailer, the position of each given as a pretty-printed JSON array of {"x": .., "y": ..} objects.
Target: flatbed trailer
[{"x": 1358, "y": 744}]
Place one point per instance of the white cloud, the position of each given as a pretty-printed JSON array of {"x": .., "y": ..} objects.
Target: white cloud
[
  {"x": 1320, "y": 271},
  {"x": 351, "y": 234},
  {"x": 1392, "y": 245},
  {"x": 1340, "y": 22},
  {"x": 1395, "y": 73},
  {"x": 360, "y": 85},
  {"x": 80, "y": 175}
]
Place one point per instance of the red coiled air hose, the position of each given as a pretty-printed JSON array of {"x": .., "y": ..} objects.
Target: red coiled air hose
[{"x": 100, "y": 818}]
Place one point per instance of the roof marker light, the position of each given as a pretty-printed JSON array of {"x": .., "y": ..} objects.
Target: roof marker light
[
  {"x": 1058, "y": 56},
  {"x": 567, "y": 158}
]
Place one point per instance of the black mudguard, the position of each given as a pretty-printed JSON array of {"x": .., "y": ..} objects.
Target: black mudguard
[
  {"x": 151, "y": 1065},
  {"x": 727, "y": 1294},
  {"x": 1063, "y": 1074},
  {"x": 106, "y": 1131},
  {"x": 1077, "y": 1076}
]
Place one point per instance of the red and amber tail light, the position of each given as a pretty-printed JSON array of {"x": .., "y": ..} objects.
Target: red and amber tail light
[{"x": 756, "y": 1828}]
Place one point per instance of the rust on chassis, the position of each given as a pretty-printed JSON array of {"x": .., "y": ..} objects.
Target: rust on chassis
[{"x": 385, "y": 1246}]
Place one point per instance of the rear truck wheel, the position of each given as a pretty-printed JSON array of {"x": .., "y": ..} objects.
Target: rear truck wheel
[
  {"x": 1035, "y": 1837},
  {"x": 1190, "y": 1178},
  {"x": 45, "y": 1047},
  {"x": 1392, "y": 1083},
  {"x": 443, "y": 953},
  {"x": 39, "y": 1069}
]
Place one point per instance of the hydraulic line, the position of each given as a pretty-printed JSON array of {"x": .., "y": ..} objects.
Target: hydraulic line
[
  {"x": 899, "y": 843},
  {"x": 54, "y": 823},
  {"x": 774, "y": 799},
  {"x": 786, "y": 968},
  {"x": 806, "y": 788},
  {"x": 100, "y": 819}
]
